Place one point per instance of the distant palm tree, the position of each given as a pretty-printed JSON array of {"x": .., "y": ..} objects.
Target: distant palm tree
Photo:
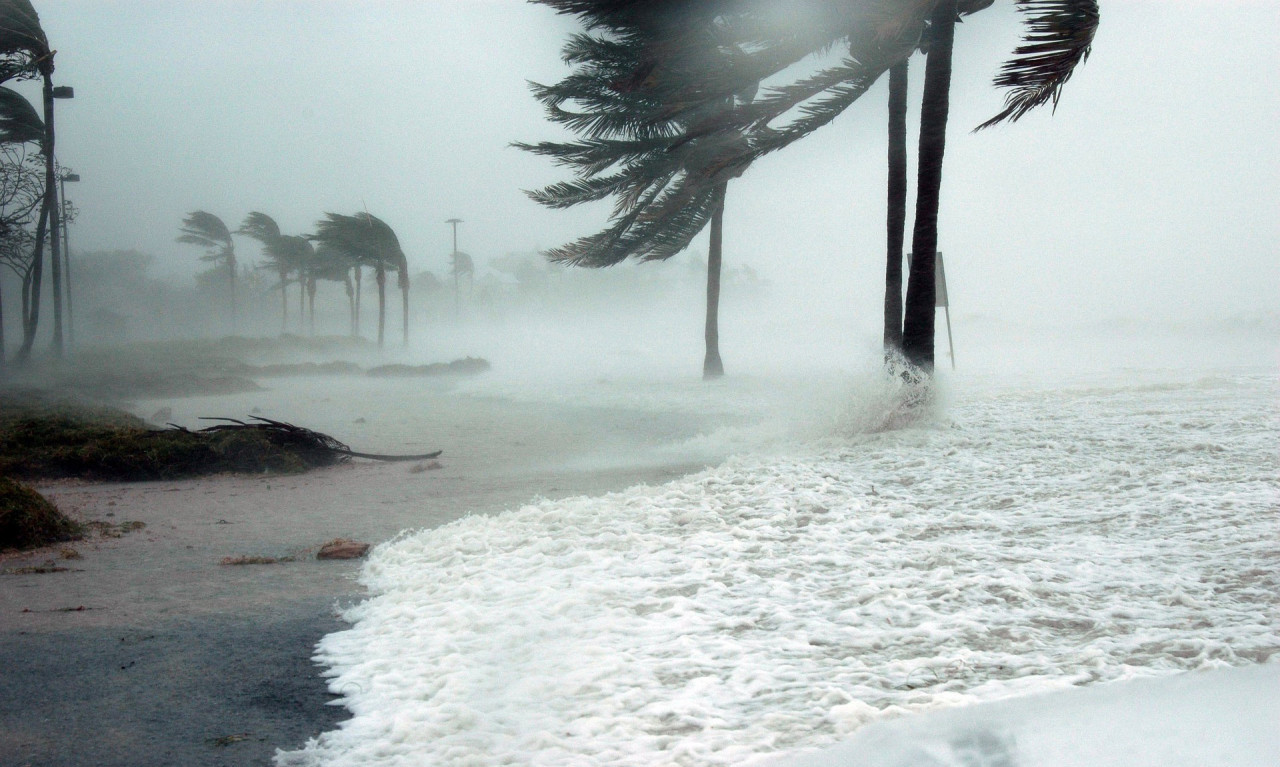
[
  {"x": 331, "y": 265},
  {"x": 208, "y": 231},
  {"x": 368, "y": 241},
  {"x": 264, "y": 229}
]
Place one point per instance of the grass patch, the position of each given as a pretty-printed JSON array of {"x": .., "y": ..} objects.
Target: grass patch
[
  {"x": 28, "y": 520},
  {"x": 49, "y": 438}
]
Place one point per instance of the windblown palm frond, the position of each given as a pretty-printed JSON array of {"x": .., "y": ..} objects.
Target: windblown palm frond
[
  {"x": 24, "y": 49},
  {"x": 260, "y": 227},
  {"x": 364, "y": 238},
  {"x": 19, "y": 122},
  {"x": 208, "y": 231},
  {"x": 1059, "y": 35}
]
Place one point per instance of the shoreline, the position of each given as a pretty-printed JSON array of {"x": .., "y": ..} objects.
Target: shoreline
[{"x": 177, "y": 659}]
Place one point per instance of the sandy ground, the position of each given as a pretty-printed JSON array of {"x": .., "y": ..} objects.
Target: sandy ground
[{"x": 147, "y": 651}]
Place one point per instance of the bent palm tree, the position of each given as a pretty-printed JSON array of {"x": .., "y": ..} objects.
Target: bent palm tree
[
  {"x": 622, "y": 125},
  {"x": 207, "y": 230},
  {"x": 25, "y": 53},
  {"x": 368, "y": 241},
  {"x": 664, "y": 174},
  {"x": 264, "y": 229}
]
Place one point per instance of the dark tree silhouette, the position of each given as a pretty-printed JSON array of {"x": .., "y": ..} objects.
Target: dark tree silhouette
[
  {"x": 676, "y": 87},
  {"x": 207, "y": 230},
  {"x": 24, "y": 54},
  {"x": 368, "y": 241},
  {"x": 620, "y": 125}
]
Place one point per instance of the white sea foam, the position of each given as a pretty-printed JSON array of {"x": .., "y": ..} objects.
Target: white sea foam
[{"x": 1025, "y": 541}]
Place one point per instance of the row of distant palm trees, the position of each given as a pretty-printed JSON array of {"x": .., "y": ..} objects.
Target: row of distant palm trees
[{"x": 339, "y": 251}]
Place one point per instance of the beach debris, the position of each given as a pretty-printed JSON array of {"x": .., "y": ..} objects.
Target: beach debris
[
  {"x": 227, "y": 740},
  {"x": 299, "y": 439},
  {"x": 419, "y": 468},
  {"x": 255, "y": 560},
  {"x": 342, "y": 548}
]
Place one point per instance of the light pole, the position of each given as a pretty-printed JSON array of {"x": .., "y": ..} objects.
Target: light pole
[
  {"x": 55, "y": 92},
  {"x": 457, "y": 296},
  {"x": 66, "y": 250}
]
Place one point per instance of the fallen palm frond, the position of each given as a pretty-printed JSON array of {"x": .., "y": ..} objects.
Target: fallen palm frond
[
  {"x": 45, "y": 438},
  {"x": 300, "y": 439}
]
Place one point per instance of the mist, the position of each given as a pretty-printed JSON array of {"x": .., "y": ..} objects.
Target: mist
[
  {"x": 570, "y": 547},
  {"x": 1146, "y": 198}
]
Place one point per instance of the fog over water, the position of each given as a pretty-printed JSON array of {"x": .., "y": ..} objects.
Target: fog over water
[{"x": 1150, "y": 195}]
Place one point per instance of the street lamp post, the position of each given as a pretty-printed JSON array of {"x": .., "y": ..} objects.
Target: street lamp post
[
  {"x": 457, "y": 295},
  {"x": 66, "y": 251},
  {"x": 59, "y": 92}
]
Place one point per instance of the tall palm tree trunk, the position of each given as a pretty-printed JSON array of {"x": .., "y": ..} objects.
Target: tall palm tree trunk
[
  {"x": 404, "y": 303},
  {"x": 896, "y": 218},
  {"x": 380, "y": 276},
  {"x": 712, "y": 367},
  {"x": 302, "y": 300},
  {"x": 284, "y": 301},
  {"x": 231, "y": 267},
  {"x": 918, "y": 327},
  {"x": 359, "y": 270},
  {"x": 311, "y": 297},
  {"x": 351, "y": 302},
  {"x": 31, "y": 319}
]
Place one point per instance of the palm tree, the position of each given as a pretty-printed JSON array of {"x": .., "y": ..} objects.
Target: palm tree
[
  {"x": 19, "y": 124},
  {"x": 208, "y": 231},
  {"x": 674, "y": 86},
  {"x": 621, "y": 125},
  {"x": 333, "y": 265},
  {"x": 368, "y": 241},
  {"x": 24, "y": 53},
  {"x": 264, "y": 229}
]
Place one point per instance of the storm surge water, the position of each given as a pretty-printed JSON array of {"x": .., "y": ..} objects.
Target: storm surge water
[{"x": 847, "y": 571}]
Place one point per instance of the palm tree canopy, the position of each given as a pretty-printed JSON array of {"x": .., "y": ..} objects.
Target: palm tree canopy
[
  {"x": 260, "y": 227},
  {"x": 363, "y": 238},
  {"x": 662, "y": 96},
  {"x": 19, "y": 121},
  {"x": 24, "y": 49},
  {"x": 207, "y": 230}
]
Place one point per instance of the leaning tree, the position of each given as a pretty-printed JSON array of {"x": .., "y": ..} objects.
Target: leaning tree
[
  {"x": 368, "y": 241},
  {"x": 605, "y": 101},
  {"x": 702, "y": 147},
  {"x": 25, "y": 54},
  {"x": 209, "y": 232},
  {"x": 21, "y": 195}
]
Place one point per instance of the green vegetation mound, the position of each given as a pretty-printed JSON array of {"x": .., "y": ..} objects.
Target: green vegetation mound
[
  {"x": 28, "y": 520},
  {"x": 49, "y": 439}
]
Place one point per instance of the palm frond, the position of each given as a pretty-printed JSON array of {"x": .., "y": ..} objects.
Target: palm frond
[
  {"x": 24, "y": 49},
  {"x": 19, "y": 122},
  {"x": 1058, "y": 37},
  {"x": 260, "y": 227}
]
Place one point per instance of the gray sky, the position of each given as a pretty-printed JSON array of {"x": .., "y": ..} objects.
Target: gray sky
[{"x": 1152, "y": 191}]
